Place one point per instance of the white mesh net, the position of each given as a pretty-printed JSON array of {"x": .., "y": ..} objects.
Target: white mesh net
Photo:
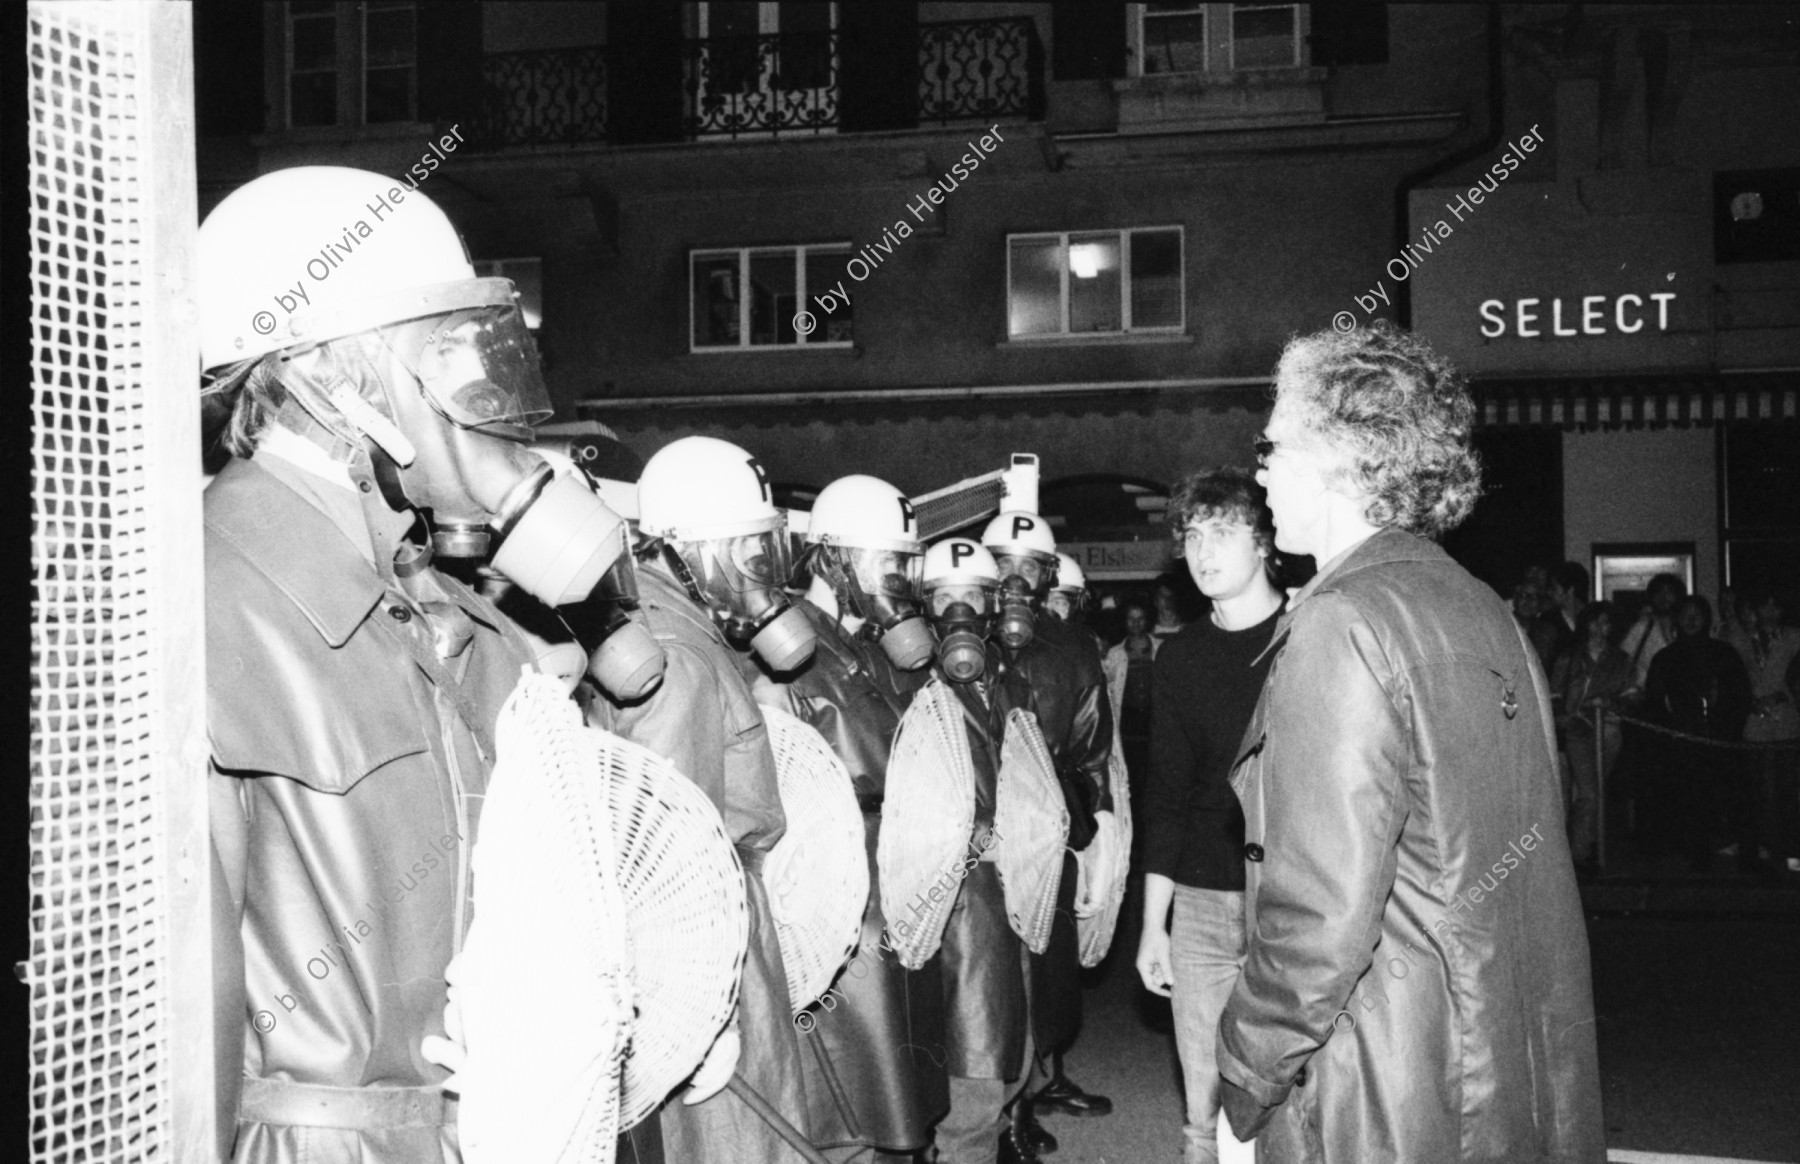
[
  {"x": 114, "y": 694},
  {"x": 544, "y": 981},
  {"x": 1096, "y": 932},
  {"x": 927, "y": 817},
  {"x": 818, "y": 873},
  {"x": 1032, "y": 820}
]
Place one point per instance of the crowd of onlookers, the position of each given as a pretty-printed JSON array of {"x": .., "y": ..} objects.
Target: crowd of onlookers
[
  {"x": 1709, "y": 677},
  {"x": 1703, "y": 739}
]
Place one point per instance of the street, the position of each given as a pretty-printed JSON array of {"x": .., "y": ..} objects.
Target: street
[{"x": 1697, "y": 1013}]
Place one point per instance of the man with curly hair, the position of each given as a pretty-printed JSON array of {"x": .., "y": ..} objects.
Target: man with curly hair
[{"x": 1416, "y": 981}]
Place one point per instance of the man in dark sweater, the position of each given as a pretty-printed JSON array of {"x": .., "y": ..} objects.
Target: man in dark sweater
[{"x": 1207, "y": 679}]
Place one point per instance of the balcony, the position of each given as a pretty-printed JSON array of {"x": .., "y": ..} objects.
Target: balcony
[
  {"x": 749, "y": 87},
  {"x": 542, "y": 98}
]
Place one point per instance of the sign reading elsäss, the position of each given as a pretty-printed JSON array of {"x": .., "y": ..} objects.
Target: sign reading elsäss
[{"x": 1585, "y": 315}]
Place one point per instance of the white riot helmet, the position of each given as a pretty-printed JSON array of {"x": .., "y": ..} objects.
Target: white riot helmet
[
  {"x": 709, "y": 503},
  {"x": 1068, "y": 598},
  {"x": 962, "y": 586},
  {"x": 864, "y": 535},
  {"x": 340, "y": 305},
  {"x": 1025, "y": 551}
]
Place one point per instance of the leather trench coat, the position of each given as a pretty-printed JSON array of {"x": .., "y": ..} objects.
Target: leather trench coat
[
  {"x": 1417, "y": 982},
  {"x": 985, "y": 1000},
  {"x": 345, "y": 797},
  {"x": 877, "y": 1047},
  {"x": 704, "y": 720},
  {"x": 1059, "y": 676}
]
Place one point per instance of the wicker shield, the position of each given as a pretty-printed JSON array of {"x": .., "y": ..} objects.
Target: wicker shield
[
  {"x": 927, "y": 816},
  {"x": 544, "y": 980},
  {"x": 1096, "y": 932},
  {"x": 1033, "y": 822},
  {"x": 687, "y": 913},
  {"x": 818, "y": 873}
]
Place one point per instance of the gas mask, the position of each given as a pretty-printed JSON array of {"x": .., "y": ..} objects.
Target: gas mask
[
  {"x": 1018, "y": 621},
  {"x": 560, "y": 543},
  {"x": 464, "y": 390},
  {"x": 740, "y": 579},
  {"x": 881, "y": 587},
  {"x": 962, "y": 629},
  {"x": 962, "y": 639}
]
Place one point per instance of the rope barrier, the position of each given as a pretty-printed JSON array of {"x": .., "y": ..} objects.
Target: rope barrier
[{"x": 1735, "y": 745}]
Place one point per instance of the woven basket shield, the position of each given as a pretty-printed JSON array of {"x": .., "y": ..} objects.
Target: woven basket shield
[
  {"x": 927, "y": 816},
  {"x": 544, "y": 981},
  {"x": 1096, "y": 933},
  {"x": 687, "y": 914},
  {"x": 818, "y": 873},
  {"x": 1033, "y": 822}
]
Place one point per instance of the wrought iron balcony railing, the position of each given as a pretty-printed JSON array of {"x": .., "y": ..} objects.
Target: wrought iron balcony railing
[
  {"x": 782, "y": 83},
  {"x": 981, "y": 70},
  {"x": 751, "y": 86},
  {"x": 556, "y": 97}
]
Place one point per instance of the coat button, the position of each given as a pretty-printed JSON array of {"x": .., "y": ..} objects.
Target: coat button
[
  {"x": 400, "y": 614},
  {"x": 1253, "y": 852}
]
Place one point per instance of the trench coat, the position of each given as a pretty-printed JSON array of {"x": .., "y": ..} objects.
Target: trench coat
[
  {"x": 345, "y": 788},
  {"x": 875, "y": 1047},
  {"x": 1059, "y": 677},
  {"x": 1416, "y": 986},
  {"x": 704, "y": 720},
  {"x": 985, "y": 999}
]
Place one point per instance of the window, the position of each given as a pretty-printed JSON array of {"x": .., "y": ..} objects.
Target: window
[
  {"x": 528, "y": 276},
  {"x": 763, "y": 67},
  {"x": 1095, "y": 282},
  {"x": 312, "y": 62},
  {"x": 350, "y": 64},
  {"x": 769, "y": 297},
  {"x": 390, "y": 61},
  {"x": 1219, "y": 38}
]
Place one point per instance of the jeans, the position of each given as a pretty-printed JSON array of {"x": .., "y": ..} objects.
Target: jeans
[{"x": 1206, "y": 947}]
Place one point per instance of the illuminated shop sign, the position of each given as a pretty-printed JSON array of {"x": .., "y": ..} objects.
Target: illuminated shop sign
[
  {"x": 1625, "y": 314},
  {"x": 1121, "y": 560}
]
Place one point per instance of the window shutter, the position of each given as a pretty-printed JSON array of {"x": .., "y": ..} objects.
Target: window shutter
[
  {"x": 644, "y": 99},
  {"x": 449, "y": 60},
  {"x": 1090, "y": 41},
  {"x": 1349, "y": 34},
  {"x": 878, "y": 66}
]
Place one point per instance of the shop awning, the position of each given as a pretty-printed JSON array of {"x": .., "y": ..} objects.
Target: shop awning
[{"x": 1623, "y": 401}]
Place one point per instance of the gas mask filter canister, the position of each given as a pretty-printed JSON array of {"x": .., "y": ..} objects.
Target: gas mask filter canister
[
  {"x": 1018, "y": 622},
  {"x": 961, "y": 650},
  {"x": 908, "y": 642},
  {"x": 561, "y": 544}
]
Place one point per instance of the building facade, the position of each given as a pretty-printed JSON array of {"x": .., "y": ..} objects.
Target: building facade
[{"x": 909, "y": 239}]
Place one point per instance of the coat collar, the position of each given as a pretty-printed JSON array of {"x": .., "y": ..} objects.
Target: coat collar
[
  {"x": 661, "y": 592},
  {"x": 1382, "y": 548},
  {"x": 295, "y": 546}
]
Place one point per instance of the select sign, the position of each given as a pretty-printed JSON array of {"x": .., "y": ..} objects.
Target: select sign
[{"x": 1625, "y": 314}]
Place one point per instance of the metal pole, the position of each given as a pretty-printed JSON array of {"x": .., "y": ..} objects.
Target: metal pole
[{"x": 1600, "y": 786}]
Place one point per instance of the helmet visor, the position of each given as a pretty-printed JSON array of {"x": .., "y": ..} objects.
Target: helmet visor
[
  {"x": 743, "y": 575},
  {"x": 1037, "y": 573},
  {"x": 619, "y": 583},
  {"x": 480, "y": 371},
  {"x": 888, "y": 573},
  {"x": 974, "y": 595}
]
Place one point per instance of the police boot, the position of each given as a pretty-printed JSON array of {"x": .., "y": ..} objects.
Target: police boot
[{"x": 1015, "y": 1142}]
